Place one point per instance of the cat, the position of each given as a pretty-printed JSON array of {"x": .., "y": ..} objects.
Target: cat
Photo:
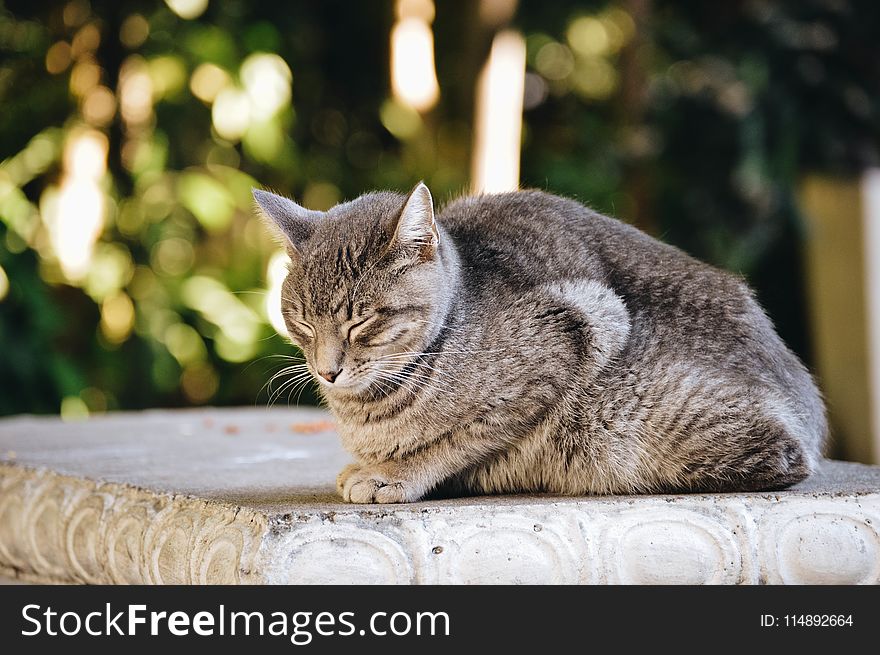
[{"x": 521, "y": 342}]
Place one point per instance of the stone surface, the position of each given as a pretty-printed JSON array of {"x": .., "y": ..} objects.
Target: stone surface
[{"x": 246, "y": 496}]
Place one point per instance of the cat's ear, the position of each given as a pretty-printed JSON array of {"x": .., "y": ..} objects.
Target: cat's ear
[
  {"x": 416, "y": 230},
  {"x": 295, "y": 222}
]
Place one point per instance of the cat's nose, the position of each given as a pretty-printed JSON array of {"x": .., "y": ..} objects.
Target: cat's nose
[{"x": 330, "y": 376}]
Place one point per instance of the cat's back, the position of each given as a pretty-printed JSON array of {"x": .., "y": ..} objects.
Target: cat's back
[
  {"x": 518, "y": 235},
  {"x": 541, "y": 236},
  {"x": 526, "y": 239}
]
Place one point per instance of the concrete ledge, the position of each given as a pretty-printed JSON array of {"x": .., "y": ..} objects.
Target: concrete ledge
[{"x": 246, "y": 496}]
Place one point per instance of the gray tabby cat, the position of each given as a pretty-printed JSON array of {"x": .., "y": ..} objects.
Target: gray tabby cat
[{"x": 521, "y": 342}]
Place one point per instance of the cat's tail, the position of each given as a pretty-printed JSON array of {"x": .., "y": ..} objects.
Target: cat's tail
[
  {"x": 792, "y": 396},
  {"x": 804, "y": 415},
  {"x": 803, "y": 434}
]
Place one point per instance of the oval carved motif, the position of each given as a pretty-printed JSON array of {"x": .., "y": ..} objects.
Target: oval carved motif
[
  {"x": 511, "y": 555},
  {"x": 345, "y": 555},
  {"x": 828, "y": 549},
  {"x": 672, "y": 552}
]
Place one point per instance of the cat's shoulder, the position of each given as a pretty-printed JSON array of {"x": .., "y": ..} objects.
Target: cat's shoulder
[
  {"x": 528, "y": 200},
  {"x": 513, "y": 207}
]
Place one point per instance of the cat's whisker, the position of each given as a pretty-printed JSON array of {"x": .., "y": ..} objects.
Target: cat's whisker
[
  {"x": 289, "y": 358},
  {"x": 255, "y": 361},
  {"x": 439, "y": 371},
  {"x": 289, "y": 384},
  {"x": 273, "y": 336},
  {"x": 309, "y": 381},
  {"x": 416, "y": 373},
  {"x": 383, "y": 386},
  {"x": 402, "y": 385},
  {"x": 281, "y": 373},
  {"x": 441, "y": 352},
  {"x": 389, "y": 378},
  {"x": 295, "y": 377},
  {"x": 273, "y": 396},
  {"x": 299, "y": 387},
  {"x": 418, "y": 381},
  {"x": 294, "y": 368},
  {"x": 446, "y": 382},
  {"x": 424, "y": 378},
  {"x": 299, "y": 373},
  {"x": 421, "y": 365}
]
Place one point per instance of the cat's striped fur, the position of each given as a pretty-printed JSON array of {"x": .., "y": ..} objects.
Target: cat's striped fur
[{"x": 522, "y": 343}]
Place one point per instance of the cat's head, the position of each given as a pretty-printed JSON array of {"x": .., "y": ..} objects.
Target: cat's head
[{"x": 365, "y": 284}]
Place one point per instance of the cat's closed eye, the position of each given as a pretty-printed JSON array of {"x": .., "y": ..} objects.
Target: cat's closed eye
[
  {"x": 357, "y": 328},
  {"x": 305, "y": 328}
]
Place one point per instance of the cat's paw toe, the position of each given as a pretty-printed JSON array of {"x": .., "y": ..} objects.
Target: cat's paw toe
[
  {"x": 372, "y": 486},
  {"x": 362, "y": 491},
  {"x": 344, "y": 475},
  {"x": 394, "y": 492}
]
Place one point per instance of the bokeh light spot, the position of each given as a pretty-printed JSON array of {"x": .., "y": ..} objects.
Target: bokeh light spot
[
  {"x": 199, "y": 382},
  {"x": 168, "y": 76},
  {"x": 73, "y": 408},
  {"x": 172, "y": 256},
  {"x": 117, "y": 317},
  {"x": 266, "y": 78},
  {"x": 413, "y": 76},
  {"x": 207, "y": 81},
  {"x": 554, "y": 61},
  {"x": 4, "y": 284},
  {"x": 321, "y": 195},
  {"x": 134, "y": 31},
  {"x": 188, "y": 9},
  {"x": 208, "y": 200},
  {"x": 86, "y": 41},
  {"x": 75, "y": 13},
  {"x": 99, "y": 106},
  {"x": 588, "y": 36},
  {"x": 76, "y": 216},
  {"x": 58, "y": 57},
  {"x": 401, "y": 120},
  {"x": 135, "y": 92},
  {"x": 594, "y": 78},
  {"x": 84, "y": 77},
  {"x": 231, "y": 113},
  {"x": 276, "y": 272},
  {"x": 184, "y": 343}
]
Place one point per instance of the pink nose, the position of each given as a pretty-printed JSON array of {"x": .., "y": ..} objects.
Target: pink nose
[{"x": 330, "y": 376}]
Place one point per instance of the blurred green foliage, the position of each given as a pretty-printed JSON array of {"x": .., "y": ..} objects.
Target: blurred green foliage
[{"x": 694, "y": 120}]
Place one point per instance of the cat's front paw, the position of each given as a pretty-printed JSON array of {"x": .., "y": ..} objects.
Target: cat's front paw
[
  {"x": 375, "y": 484},
  {"x": 344, "y": 475}
]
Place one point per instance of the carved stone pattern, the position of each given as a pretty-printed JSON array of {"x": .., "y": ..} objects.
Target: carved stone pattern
[
  {"x": 327, "y": 553},
  {"x": 821, "y": 541},
  {"x": 63, "y": 529},
  {"x": 691, "y": 540},
  {"x": 58, "y": 528}
]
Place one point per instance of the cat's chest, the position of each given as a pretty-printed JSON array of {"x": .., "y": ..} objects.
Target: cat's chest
[{"x": 375, "y": 436}]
